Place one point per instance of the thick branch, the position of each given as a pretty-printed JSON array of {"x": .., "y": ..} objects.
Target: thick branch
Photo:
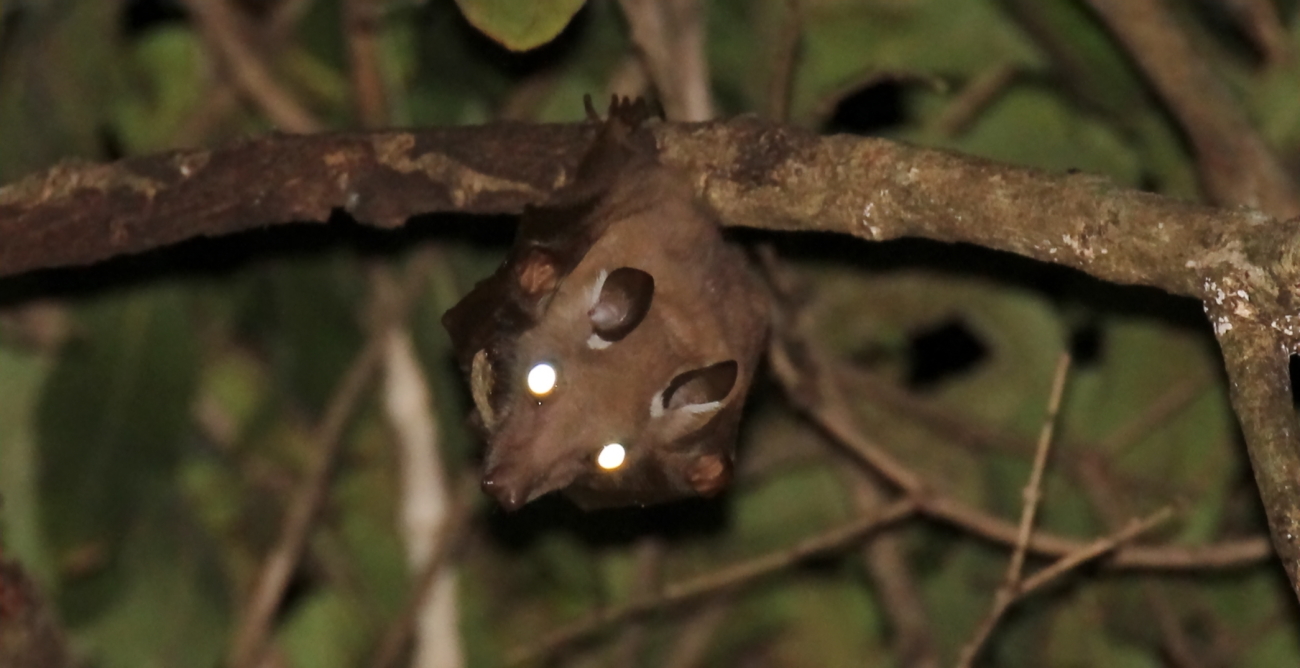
[
  {"x": 1261, "y": 398},
  {"x": 753, "y": 173},
  {"x": 1240, "y": 262}
]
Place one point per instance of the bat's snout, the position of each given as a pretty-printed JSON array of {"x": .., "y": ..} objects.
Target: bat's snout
[{"x": 510, "y": 491}]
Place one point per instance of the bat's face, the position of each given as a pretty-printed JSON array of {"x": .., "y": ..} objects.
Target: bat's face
[
  {"x": 611, "y": 403},
  {"x": 610, "y": 359}
]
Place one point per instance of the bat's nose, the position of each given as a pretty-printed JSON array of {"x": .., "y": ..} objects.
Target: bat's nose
[{"x": 508, "y": 490}]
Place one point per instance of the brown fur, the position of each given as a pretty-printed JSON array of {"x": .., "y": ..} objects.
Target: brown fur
[{"x": 699, "y": 339}]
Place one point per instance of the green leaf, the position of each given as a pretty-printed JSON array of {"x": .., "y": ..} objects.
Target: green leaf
[
  {"x": 111, "y": 424},
  {"x": 58, "y": 78},
  {"x": 20, "y": 536},
  {"x": 304, "y": 313},
  {"x": 520, "y": 25},
  {"x": 326, "y": 630},
  {"x": 171, "y": 607},
  {"x": 164, "y": 85},
  {"x": 1034, "y": 126},
  {"x": 848, "y": 42}
]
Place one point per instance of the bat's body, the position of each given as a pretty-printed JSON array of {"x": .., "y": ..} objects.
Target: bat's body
[{"x": 646, "y": 325}]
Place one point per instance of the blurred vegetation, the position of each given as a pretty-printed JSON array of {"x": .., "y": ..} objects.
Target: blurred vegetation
[{"x": 157, "y": 412}]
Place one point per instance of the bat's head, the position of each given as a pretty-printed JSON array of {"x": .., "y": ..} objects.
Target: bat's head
[{"x": 609, "y": 403}]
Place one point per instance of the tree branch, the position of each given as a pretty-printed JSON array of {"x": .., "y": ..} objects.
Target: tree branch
[{"x": 1241, "y": 263}]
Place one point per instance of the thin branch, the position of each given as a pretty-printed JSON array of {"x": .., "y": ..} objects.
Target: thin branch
[
  {"x": 692, "y": 642},
  {"x": 887, "y": 562},
  {"x": 723, "y": 580},
  {"x": 1054, "y": 572},
  {"x": 1102, "y": 492},
  {"x": 1011, "y": 585},
  {"x": 220, "y": 25},
  {"x": 785, "y": 59},
  {"x": 644, "y": 581},
  {"x": 965, "y": 431},
  {"x": 1226, "y": 554},
  {"x": 1259, "y": 19},
  {"x": 450, "y": 534},
  {"x": 811, "y": 388},
  {"x": 814, "y": 392},
  {"x": 669, "y": 36},
  {"x": 361, "y": 21},
  {"x": 974, "y": 98},
  {"x": 1236, "y": 166},
  {"x": 1093, "y": 551},
  {"x": 1033, "y": 493},
  {"x": 254, "y": 627}
]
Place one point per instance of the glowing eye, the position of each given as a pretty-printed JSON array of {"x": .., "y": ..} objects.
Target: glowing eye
[
  {"x": 541, "y": 379},
  {"x": 611, "y": 456}
]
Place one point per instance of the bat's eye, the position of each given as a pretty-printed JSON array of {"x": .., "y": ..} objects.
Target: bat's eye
[
  {"x": 611, "y": 456},
  {"x": 541, "y": 379}
]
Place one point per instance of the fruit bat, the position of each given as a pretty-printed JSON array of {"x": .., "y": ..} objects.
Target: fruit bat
[{"x": 610, "y": 354}]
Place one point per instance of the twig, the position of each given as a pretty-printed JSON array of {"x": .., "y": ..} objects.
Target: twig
[
  {"x": 900, "y": 598},
  {"x": 1101, "y": 491},
  {"x": 647, "y": 574},
  {"x": 254, "y": 627},
  {"x": 1227, "y": 554},
  {"x": 1011, "y": 586},
  {"x": 974, "y": 98},
  {"x": 1259, "y": 19},
  {"x": 669, "y": 35},
  {"x": 450, "y": 534},
  {"x": 1096, "y": 549},
  {"x": 725, "y": 579},
  {"x": 811, "y": 388},
  {"x": 816, "y": 394},
  {"x": 697, "y": 630},
  {"x": 1049, "y": 574},
  {"x": 785, "y": 63},
  {"x": 361, "y": 25},
  {"x": 220, "y": 25},
  {"x": 1033, "y": 491},
  {"x": 965, "y": 431}
]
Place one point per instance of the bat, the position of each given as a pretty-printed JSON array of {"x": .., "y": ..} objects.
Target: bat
[{"x": 610, "y": 354}]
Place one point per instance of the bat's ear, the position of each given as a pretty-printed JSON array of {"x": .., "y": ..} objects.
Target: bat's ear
[
  {"x": 693, "y": 397},
  {"x": 620, "y": 301},
  {"x": 537, "y": 272},
  {"x": 698, "y": 390}
]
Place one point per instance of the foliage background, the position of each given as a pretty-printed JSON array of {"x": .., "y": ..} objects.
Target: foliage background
[{"x": 157, "y": 412}]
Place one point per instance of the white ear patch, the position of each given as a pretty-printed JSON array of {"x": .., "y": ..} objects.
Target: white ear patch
[
  {"x": 657, "y": 404},
  {"x": 595, "y": 342},
  {"x": 699, "y": 409},
  {"x": 596, "y": 287}
]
